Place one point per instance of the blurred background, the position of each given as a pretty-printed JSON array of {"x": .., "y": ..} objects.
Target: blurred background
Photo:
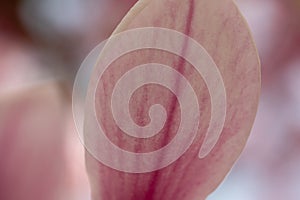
[{"x": 42, "y": 44}]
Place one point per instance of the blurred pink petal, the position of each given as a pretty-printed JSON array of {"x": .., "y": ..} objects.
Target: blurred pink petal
[
  {"x": 18, "y": 66},
  {"x": 34, "y": 160}
]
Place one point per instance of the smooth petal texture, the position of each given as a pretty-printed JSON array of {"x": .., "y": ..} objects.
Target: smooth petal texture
[
  {"x": 222, "y": 31},
  {"x": 32, "y": 153}
]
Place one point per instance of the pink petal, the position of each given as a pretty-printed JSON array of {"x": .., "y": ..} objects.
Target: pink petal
[
  {"x": 32, "y": 139},
  {"x": 222, "y": 31}
]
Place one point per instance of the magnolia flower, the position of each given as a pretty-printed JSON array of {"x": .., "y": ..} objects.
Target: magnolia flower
[
  {"x": 222, "y": 31},
  {"x": 36, "y": 151}
]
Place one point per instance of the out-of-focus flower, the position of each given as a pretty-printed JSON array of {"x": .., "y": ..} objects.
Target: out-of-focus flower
[{"x": 33, "y": 163}]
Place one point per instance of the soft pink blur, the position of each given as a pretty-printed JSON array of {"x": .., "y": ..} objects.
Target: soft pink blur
[
  {"x": 41, "y": 47},
  {"x": 269, "y": 167}
]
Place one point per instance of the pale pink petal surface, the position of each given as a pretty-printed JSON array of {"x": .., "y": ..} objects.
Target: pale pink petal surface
[{"x": 222, "y": 31}]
